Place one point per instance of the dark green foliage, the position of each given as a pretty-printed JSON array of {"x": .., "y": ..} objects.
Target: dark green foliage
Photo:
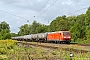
[
  {"x": 34, "y": 27},
  {"x": 24, "y": 30},
  {"x": 4, "y": 25},
  {"x": 4, "y": 31},
  {"x": 27, "y": 29},
  {"x": 78, "y": 28},
  {"x": 75, "y": 31},
  {"x": 42, "y": 29},
  {"x": 13, "y": 34},
  {"x": 71, "y": 21},
  {"x": 88, "y": 34},
  {"x": 87, "y": 22},
  {"x": 60, "y": 23}
]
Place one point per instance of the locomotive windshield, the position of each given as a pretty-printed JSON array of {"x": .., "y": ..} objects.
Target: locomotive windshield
[{"x": 66, "y": 33}]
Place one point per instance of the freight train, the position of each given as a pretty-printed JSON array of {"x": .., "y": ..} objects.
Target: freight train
[{"x": 58, "y": 37}]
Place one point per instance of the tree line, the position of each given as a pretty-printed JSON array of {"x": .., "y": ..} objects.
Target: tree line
[
  {"x": 79, "y": 26},
  {"x": 4, "y": 31}
]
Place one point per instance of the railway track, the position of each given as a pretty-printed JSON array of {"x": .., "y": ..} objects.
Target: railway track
[
  {"x": 28, "y": 55},
  {"x": 79, "y": 44},
  {"x": 84, "y": 44},
  {"x": 65, "y": 47}
]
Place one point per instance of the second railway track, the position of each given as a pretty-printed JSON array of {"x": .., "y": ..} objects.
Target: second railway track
[{"x": 78, "y": 48}]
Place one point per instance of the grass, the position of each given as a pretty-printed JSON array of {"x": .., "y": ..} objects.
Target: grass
[{"x": 9, "y": 50}]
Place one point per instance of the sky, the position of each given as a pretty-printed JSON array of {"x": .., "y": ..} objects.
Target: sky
[{"x": 18, "y": 12}]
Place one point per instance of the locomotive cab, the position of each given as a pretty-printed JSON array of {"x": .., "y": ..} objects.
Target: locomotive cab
[{"x": 66, "y": 36}]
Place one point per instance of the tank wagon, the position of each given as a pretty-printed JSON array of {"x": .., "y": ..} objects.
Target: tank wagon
[
  {"x": 60, "y": 36},
  {"x": 42, "y": 36}
]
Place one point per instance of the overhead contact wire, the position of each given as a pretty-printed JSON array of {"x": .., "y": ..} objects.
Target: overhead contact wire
[
  {"x": 40, "y": 9},
  {"x": 48, "y": 8},
  {"x": 13, "y": 14},
  {"x": 77, "y": 10}
]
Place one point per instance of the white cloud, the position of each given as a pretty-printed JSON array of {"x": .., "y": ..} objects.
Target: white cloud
[
  {"x": 26, "y": 9},
  {"x": 0, "y": 2},
  {"x": 18, "y": 22},
  {"x": 39, "y": 0},
  {"x": 68, "y": 2}
]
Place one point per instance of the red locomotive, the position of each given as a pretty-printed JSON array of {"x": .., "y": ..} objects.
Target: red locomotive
[{"x": 60, "y": 37}]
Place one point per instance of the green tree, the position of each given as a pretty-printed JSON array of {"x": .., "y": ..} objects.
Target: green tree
[
  {"x": 88, "y": 34},
  {"x": 34, "y": 27},
  {"x": 54, "y": 25},
  {"x": 75, "y": 31},
  {"x": 60, "y": 23},
  {"x": 4, "y": 30},
  {"x": 87, "y": 23},
  {"x": 71, "y": 21},
  {"x": 81, "y": 21},
  {"x": 87, "y": 20},
  {"x": 4, "y": 25},
  {"x": 24, "y": 30},
  {"x": 13, "y": 34},
  {"x": 78, "y": 28},
  {"x": 42, "y": 28}
]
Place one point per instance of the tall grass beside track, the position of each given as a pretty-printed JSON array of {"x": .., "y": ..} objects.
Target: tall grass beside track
[
  {"x": 6, "y": 47},
  {"x": 9, "y": 50}
]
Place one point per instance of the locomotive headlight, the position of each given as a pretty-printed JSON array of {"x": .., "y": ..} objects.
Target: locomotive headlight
[
  {"x": 69, "y": 37},
  {"x": 64, "y": 37}
]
